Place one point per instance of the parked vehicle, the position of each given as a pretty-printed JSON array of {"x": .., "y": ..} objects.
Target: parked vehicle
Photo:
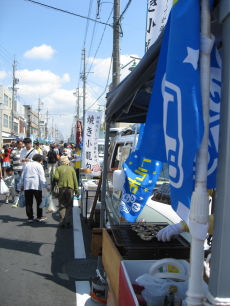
[
  {"x": 101, "y": 146},
  {"x": 157, "y": 209}
]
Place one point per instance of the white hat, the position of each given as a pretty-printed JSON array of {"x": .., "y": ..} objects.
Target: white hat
[{"x": 64, "y": 160}]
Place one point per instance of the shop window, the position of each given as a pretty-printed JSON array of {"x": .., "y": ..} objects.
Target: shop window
[
  {"x": 117, "y": 155},
  {"x": 5, "y": 121},
  {"x": 10, "y": 122},
  {"x": 15, "y": 127},
  {"x": 6, "y": 100},
  {"x": 110, "y": 154}
]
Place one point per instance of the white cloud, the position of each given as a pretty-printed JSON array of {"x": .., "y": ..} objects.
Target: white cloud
[
  {"x": 101, "y": 67},
  {"x": 41, "y": 76},
  {"x": 41, "y": 52},
  {"x": 3, "y": 75},
  {"x": 65, "y": 78}
]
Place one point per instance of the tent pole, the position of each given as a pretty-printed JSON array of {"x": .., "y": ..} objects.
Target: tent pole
[
  {"x": 103, "y": 189},
  {"x": 198, "y": 217},
  {"x": 104, "y": 176},
  {"x": 219, "y": 282}
]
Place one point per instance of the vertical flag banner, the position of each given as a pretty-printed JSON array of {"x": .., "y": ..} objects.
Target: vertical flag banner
[
  {"x": 79, "y": 132},
  {"x": 214, "y": 117},
  {"x": 158, "y": 12},
  {"x": 90, "y": 158},
  {"x": 141, "y": 176},
  {"x": 174, "y": 123}
]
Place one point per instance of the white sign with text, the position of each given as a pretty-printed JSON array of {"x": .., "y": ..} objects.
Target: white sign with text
[{"x": 90, "y": 158}]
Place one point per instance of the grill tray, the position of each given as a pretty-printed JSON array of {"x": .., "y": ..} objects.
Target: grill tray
[{"x": 136, "y": 248}]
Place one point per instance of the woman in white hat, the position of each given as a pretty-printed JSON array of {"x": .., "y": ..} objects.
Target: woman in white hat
[{"x": 67, "y": 183}]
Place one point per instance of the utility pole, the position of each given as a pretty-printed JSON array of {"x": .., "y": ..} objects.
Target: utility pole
[
  {"x": 116, "y": 44},
  {"x": 39, "y": 109},
  {"x": 77, "y": 94},
  {"x": 78, "y": 105},
  {"x": 52, "y": 126},
  {"x": 84, "y": 86},
  {"x": 15, "y": 81},
  {"x": 46, "y": 132},
  {"x": 1, "y": 108}
]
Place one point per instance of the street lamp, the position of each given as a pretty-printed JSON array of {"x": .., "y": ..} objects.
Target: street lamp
[{"x": 134, "y": 65}]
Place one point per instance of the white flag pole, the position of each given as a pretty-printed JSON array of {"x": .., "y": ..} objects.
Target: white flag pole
[{"x": 199, "y": 211}]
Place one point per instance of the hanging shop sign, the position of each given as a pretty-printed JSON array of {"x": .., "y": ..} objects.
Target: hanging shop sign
[
  {"x": 79, "y": 132},
  {"x": 157, "y": 17},
  {"x": 90, "y": 158}
]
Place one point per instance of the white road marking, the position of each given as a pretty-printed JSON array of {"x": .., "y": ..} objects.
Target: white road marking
[{"x": 82, "y": 287}]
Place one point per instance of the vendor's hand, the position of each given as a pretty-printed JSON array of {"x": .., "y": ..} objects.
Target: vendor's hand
[
  {"x": 171, "y": 230},
  {"x": 48, "y": 189},
  {"x": 22, "y": 188}
]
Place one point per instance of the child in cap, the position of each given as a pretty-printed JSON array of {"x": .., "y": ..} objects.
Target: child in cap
[{"x": 10, "y": 183}]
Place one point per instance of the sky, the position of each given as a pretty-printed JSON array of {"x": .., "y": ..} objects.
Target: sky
[{"x": 47, "y": 45}]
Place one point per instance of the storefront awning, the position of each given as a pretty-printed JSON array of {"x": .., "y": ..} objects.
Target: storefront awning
[{"x": 129, "y": 100}]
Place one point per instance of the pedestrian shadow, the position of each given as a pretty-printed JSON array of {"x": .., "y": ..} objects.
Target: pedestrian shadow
[
  {"x": 8, "y": 218},
  {"x": 59, "y": 278},
  {"x": 63, "y": 253},
  {"x": 21, "y": 245}
]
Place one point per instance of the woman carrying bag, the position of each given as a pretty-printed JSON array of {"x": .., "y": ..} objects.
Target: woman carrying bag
[
  {"x": 32, "y": 181},
  {"x": 67, "y": 183}
]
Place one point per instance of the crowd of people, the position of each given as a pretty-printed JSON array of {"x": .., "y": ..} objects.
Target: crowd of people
[{"x": 23, "y": 168}]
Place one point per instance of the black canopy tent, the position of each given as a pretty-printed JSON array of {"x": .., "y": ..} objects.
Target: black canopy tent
[{"x": 129, "y": 100}]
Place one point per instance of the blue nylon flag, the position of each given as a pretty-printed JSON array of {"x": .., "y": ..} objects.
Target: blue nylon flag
[
  {"x": 174, "y": 122},
  {"x": 141, "y": 176},
  {"x": 214, "y": 116}
]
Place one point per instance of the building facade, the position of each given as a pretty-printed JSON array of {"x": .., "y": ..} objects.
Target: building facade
[{"x": 32, "y": 122}]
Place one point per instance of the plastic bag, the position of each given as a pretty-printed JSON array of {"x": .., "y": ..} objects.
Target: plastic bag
[
  {"x": 22, "y": 200},
  {"x": 3, "y": 188},
  {"x": 16, "y": 202},
  {"x": 156, "y": 288},
  {"x": 45, "y": 201},
  {"x": 50, "y": 207}
]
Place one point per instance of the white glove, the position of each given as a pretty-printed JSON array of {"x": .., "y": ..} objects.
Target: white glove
[{"x": 166, "y": 233}]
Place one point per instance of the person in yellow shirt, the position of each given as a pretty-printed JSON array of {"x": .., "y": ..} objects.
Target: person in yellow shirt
[{"x": 77, "y": 160}]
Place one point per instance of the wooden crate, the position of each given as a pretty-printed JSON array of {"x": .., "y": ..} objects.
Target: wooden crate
[
  {"x": 96, "y": 244},
  {"x": 111, "y": 260},
  {"x": 111, "y": 298}
]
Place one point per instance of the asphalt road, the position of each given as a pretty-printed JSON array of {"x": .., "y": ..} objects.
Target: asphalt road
[{"x": 31, "y": 259}]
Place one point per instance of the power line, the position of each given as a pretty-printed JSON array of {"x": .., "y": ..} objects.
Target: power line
[
  {"x": 11, "y": 58},
  {"x": 63, "y": 11},
  {"x": 87, "y": 23},
  {"x": 95, "y": 84},
  {"x": 105, "y": 85},
  {"x": 100, "y": 42},
  {"x": 125, "y": 9},
  {"x": 95, "y": 92},
  {"x": 6, "y": 59},
  {"x": 92, "y": 40}
]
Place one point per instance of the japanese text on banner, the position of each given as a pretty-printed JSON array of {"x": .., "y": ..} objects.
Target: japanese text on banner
[{"x": 90, "y": 143}]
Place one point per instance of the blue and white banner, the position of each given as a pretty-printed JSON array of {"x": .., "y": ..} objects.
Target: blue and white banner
[
  {"x": 174, "y": 123},
  {"x": 214, "y": 117},
  {"x": 174, "y": 126},
  {"x": 141, "y": 176}
]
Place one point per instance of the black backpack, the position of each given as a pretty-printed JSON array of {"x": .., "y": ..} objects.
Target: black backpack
[{"x": 52, "y": 157}]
